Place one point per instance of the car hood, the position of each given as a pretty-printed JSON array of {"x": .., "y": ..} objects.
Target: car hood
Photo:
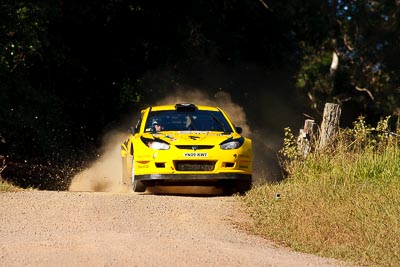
[{"x": 195, "y": 137}]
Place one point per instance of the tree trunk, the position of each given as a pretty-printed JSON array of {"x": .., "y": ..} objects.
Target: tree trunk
[{"x": 330, "y": 124}]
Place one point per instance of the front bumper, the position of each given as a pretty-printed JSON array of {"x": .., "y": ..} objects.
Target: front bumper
[
  {"x": 186, "y": 177},
  {"x": 222, "y": 179}
]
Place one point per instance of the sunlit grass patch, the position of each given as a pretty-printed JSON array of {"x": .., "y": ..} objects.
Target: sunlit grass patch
[
  {"x": 343, "y": 203},
  {"x": 8, "y": 187}
]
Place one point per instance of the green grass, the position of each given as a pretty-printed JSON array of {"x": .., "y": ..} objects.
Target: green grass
[
  {"x": 343, "y": 203},
  {"x": 8, "y": 187}
]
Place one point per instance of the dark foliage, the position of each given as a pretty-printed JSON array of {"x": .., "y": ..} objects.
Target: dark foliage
[{"x": 68, "y": 69}]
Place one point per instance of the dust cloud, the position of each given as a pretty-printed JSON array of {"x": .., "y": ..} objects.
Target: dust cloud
[{"x": 104, "y": 175}]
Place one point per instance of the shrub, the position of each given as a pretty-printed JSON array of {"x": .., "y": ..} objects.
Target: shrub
[{"x": 341, "y": 202}]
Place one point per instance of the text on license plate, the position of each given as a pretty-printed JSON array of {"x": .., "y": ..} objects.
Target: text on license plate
[{"x": 195, "y": 154}]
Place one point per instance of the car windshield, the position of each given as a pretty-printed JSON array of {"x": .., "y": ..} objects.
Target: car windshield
[{"x": 199, "y": 120}]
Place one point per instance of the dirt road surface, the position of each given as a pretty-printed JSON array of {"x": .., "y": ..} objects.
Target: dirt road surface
[{"x": 47, "y": 228}]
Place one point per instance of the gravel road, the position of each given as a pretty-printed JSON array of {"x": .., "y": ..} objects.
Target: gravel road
[{"x": 48, "y": 228}]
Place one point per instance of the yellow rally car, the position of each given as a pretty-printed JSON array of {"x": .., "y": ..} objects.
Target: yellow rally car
[{"x": 186, "y": 144}]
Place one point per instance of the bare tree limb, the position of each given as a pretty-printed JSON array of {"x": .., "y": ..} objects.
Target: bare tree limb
[
  {"x": 341, "y": 100},
  {"x": 2, "y": 169},
  {"x": 265, "y": 5},
  {"x": 2, "y": 163},
  {"x": 365, "y": 90},
  {"x": 335, "y": 62},
  {"x": 347, "y": 43}
]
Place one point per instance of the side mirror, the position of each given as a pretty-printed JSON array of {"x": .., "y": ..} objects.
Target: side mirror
[
  {"x": 239, "y": 130},
  {"x": 131, "y": 130}
]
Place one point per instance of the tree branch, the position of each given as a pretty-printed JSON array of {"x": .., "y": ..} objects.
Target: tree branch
[
  {"x": 335, "y": 62},
  {"x": 365, "y": 90},
  {"x": 2, "y": 169},
  {"x": 265, "y": 5},
  {"x": 347, "y": 43}
]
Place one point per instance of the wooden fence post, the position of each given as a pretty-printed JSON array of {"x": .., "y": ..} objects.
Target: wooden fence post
[
  {"x": 330, "y": 124},
  {"x": 306, "y": 138}
]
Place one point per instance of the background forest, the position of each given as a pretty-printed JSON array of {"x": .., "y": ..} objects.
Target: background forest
[{"x": 71, "y": 70}]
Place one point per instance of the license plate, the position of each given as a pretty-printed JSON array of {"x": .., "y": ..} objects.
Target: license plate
[{"x": 195, "y": 155}]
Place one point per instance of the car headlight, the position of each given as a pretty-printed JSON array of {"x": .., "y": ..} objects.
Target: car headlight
[
  {"x": 159, "y": 146},
  {"x": 232, "y": 143},
  {"x": 156, "y": 144}
]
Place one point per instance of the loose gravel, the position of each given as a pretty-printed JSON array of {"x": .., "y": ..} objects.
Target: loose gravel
[{"x": 48, "y": 228}]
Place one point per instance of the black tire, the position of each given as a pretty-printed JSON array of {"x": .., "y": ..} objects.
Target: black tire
[
  {"x": 137, "y": 185},
  {"x": 243, "y": 186}
]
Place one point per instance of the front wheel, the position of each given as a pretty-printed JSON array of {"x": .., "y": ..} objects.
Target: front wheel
[
  {"x": 243, "y": 186},
  {"x": 137, "y": 185}
]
